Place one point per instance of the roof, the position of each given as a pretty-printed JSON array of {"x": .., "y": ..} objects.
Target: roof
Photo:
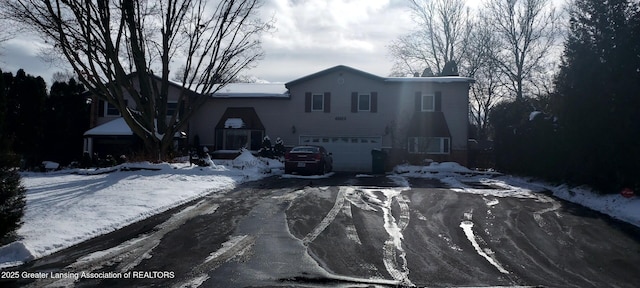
[
  {"x": 435, "y": 79},
  {"x": 252, "y": 90},
  {"x": 175, "y": 84},
  {"x": 331, "y": 70},
  {"x": 116, "y": 127}
]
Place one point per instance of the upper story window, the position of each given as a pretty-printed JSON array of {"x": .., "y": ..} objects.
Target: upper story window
[
  {"x": 428, "y": 102},
  {"x": 364, "y": 102},
  {"x": 317, "y": 102},
  {"x": 106, "y": 109},
  {"x": 171, "y": 108},
  {"x": 111, "y": 110}
]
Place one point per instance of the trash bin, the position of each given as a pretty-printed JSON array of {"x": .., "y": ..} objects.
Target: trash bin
[{"x": 378, "y": 160}]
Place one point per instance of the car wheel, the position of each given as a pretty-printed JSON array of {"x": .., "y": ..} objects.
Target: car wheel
[
  {"x": 287, "y": 171},
  {"x": 322, "y": 169}
]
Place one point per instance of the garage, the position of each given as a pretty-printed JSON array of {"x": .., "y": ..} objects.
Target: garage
[{"x": 352, "y": 154}]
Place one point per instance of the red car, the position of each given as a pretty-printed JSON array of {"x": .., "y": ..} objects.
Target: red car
[{"x": 308, "y": 159}]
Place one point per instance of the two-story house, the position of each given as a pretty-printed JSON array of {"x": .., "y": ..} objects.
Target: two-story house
[
  {"x": 348, "y": 111},
  {"x": 110, "y": 134}
]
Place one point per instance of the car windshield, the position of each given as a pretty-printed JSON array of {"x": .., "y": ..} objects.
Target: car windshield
[{"x": 306, "y": 149}]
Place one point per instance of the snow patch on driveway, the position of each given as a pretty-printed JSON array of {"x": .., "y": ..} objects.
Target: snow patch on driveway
[
  {"x": 393, "y": 252},
  {"x": 488, "y": 254}
]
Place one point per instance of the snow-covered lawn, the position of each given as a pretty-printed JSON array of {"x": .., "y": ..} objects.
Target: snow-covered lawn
[
  {"x": 65, "y": 208},
  {"x": 68, "y": 207},
  {"x": 464, "y": 180}
]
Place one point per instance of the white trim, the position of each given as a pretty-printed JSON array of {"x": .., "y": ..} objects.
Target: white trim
[
  {"x": 88, "y": 145},
  {"x": 438, "y": 79},
  {"x": 433, "y": 102}
]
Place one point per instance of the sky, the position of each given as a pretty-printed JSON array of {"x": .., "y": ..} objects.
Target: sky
[
  {"x": 315, "y": 35},
  {"x": 309, "y": 36}
]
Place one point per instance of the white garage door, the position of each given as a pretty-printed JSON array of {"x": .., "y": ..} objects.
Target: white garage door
[{"x": 349, "y": 153}]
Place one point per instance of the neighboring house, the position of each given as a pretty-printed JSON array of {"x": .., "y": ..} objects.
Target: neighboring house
[
  {"x": 110, "y": 135},
  {"x": 348, "y": 111}
]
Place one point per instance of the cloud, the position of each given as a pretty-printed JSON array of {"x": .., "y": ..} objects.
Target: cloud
[
  {"x": 25, "y": 52},
  {"x": 310, "y": 35},
  {"x": 330, "y": 25},
  {"x": 315, "y": 34}
]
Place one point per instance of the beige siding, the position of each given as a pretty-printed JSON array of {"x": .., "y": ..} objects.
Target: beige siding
[
  {"x": 395, "y": 109},
  {"x": 341, "y": 121}
]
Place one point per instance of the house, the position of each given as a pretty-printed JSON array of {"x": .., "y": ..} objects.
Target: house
[
  {"x": 348, "y": 111},
  {"x": 110, "y": 135}
]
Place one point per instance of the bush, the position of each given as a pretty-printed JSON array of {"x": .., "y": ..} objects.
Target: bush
[{"x": 12, "y": 197}]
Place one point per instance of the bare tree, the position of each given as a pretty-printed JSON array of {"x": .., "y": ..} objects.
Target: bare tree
[
  {"x": 6, "y": 32},
  {"x": 489, "y": 88},
  {"x": 444, "y": 27},
  {"x": 62, "y": 76},
  {"x": 528, "y": 30},
  {"x": 106, "y": 42}
]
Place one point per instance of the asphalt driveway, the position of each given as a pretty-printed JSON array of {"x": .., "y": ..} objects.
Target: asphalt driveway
[{"x": 356, "y": 231}]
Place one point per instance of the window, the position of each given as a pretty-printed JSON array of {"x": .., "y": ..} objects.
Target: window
[
  {"x": 234, "y": 139},
  {"x": 314, "y": 102},
  {"x": 111, "y": 110},
  {"x": 317, "y": 102},
  {"x": 429, "y": 145},
  {"x": 171, "y": 108},
  {"x": 364, "y": 102},
  {"x": 428, "y": 102}
]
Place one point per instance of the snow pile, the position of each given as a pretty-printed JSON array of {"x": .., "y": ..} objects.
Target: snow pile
[
  {"x": 50, "y": 165},
  {"x": 14, "y": 254},
  {"x": 464, "y": 180},
  {"x": 67, "y": 207},
  {"x": 625, "y": 209},
  {"x": 246, "y": 161},
  {"x": 434, "y": 170}
]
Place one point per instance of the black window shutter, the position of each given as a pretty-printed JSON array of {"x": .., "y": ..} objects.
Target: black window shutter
[
  {"x": 101, "y": 105},
  {"x": 307, "y": 102},
  {"x": 327, "y": 102},
  {"x": 418, "y": 101},
  {"x": 438, "y": 101},
  {"x": 354, "y": 102},
  {"x": 374, "y": 102}
]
